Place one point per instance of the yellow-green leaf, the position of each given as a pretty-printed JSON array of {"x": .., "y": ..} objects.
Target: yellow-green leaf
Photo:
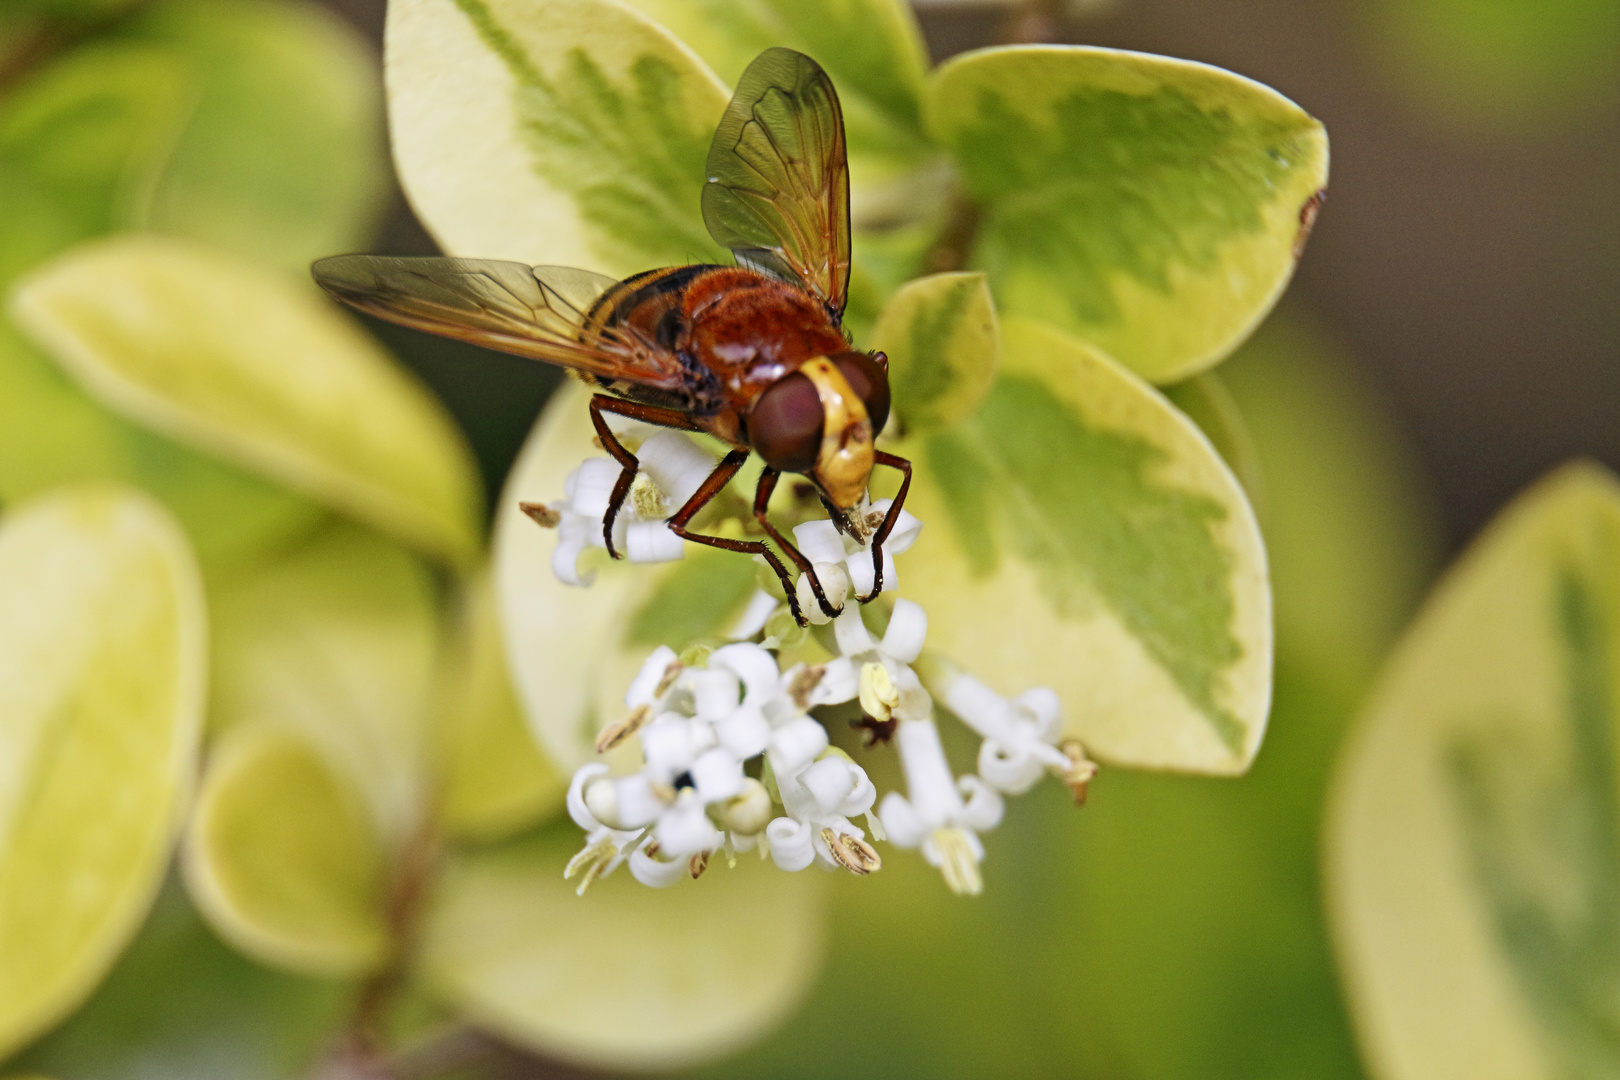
[
  {"x": 102, "y": 668},
  {"x": 625, "y": 977},
  {"x": 494, "y": 778},
  {"x": 339, "y": 639},
  {"x": 282, "y": 856},
  {"x": 81, "y": 144},
  {"x": 573, "y": 651},
  {"x": 570, "y": 133},
  {"x": 1473, "y": 836},
  {"x": 52, "y": 434},
  {"x": 227, "y": 357},
  {"x": 940, "y": 335},
  {"x": 871, "y": 48},
  {"x": 1154, "y": 207},
  {"x": 285, "y": 84},
  {"x": 1083, "y": 534}
]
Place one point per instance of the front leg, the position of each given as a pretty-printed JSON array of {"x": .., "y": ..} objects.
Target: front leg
[
  {"x": 762, "y": 496},
  {"x": 893, "y": 462},
  {"x": 700, "y": 498},
  {"x": 647, "y": 414}
]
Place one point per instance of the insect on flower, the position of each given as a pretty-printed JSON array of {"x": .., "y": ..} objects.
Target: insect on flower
[{"x": 754, "y": 354}]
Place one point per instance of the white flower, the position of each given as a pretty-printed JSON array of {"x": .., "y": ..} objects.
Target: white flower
[
  {"x": 672, "y": 468},
  {"x": 942, "y": 817},
  {"x": 605, "y": 847},
  {"x": 1021, "y": 737},
  {"x": 843, "y": 564},
  {"x": 819, "y": 801}
]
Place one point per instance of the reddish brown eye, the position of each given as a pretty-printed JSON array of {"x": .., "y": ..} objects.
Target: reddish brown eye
[
  {"x": 785, "y": 424},
  {"x": 870, "y": 381}
]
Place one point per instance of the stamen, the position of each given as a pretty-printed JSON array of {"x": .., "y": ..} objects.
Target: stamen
[
  {"x": 879, "y": 695},
  {"x": 614, "y": 734},
  {"x": 697, "y": 864},
  {"x": 645, "y": 497},
  {"x": 542, "y": 515},
  {"x": 594, "y": 860},
  {"x": 852, "y": 853},
  {"x": 671, "y": 673},
  {"x": 1079, "y": 772},
  {"x": 958, "y": 862},
  {"x": 804, "y": 683}
]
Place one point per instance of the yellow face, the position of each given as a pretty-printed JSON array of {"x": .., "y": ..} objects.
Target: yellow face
[{"x": 844, "y": 463}]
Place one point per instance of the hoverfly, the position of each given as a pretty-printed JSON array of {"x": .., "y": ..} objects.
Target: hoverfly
[{"x": 754, "y": 354}]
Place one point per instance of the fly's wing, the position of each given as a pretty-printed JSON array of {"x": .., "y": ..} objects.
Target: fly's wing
[
  {"x": 778, "y": 180},
  {"x": 541, "y": 312}
]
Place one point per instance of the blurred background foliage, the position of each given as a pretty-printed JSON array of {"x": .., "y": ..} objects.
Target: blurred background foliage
[{"x": 1451, "y": 335}]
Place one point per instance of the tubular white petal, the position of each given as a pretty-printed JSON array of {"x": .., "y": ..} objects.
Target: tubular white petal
[
  {"x": 1006, "y": 769},
  {"x": 685, "y": 829},
  {"x": 753, "y": 665},
  {"x": 905, "y": 531},
  {"x": 908, "y": 626},
  {"x": 677, "y": 464},
  {"x": 565, "y": 558},
  {"x": 646, "y": 682},
  {"x": 576, "y": 795},
  {"x": 859, "y": 566},
  {"x": 795, "y": 744},
  {"x": 593, "y": 486},
  {"x": 981, "y": 708},
  {"x": 891, "y": 576},
  {"x": 655, "y": 872},
  {"x": 792, "y": 843},
  {"x": 715, "y": 693},
  {"x": 1042, "y": 706},
  {"x": 636, "y": 801},
  {"x": 671, "y": 742},
  {"x": 829, "y": 781},
  {"x": 820, "y": 541},
  {"x": 928, "y": 775},
  {"x": 852, "y": 635},
  {"x": 840, "y": 682},
  {"x": 982, "y": 808},
  {"x": 652, "y": 542},
  {"x": 761, "y": 606},
  {"x": 860, "y": 797},
  {"x": 901, "y": 822},
  {"x": 717, "y": 775},
  {"x": 745, "y": 732}
]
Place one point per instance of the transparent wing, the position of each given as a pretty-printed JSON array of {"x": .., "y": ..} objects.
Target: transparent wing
[
  {"x": 778, "y": 180},
  {"x": 541, "y": 312}
]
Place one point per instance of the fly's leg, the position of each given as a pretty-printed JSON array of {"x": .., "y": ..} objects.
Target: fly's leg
[
  {"x": 893, "y": 462},
  {"x": 762, "y": 496},
  {"x": 647, "y": 414},
  {"x": 717, "y": 480}
]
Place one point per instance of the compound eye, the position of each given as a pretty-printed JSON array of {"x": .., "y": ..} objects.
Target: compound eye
[
  {"x": 785, "y": 424},
  {"x": 870, "y": 380}
]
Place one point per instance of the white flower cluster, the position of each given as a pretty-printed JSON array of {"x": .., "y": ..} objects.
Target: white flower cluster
[{"x": 732, "y": 759}]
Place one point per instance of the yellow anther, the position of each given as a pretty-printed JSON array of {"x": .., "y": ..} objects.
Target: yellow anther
[{"x": 879, "y": 695}]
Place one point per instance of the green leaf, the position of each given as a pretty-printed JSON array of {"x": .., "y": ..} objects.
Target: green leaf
[
  {"x": 283, "y": 858},
  {"x": 231, "y": 359},
  {"x": 182, "y": 1006},
  {"x": 52, "y": 434},
  {"x": 1154, "y": 207},
  {"x": 1477, "y": 809},
  {"x": 338, "y": 639},
  {"x": 102, "y": 667},
  {"x": 940, "y": 335},
  {"x": 871, "y": 48},
  {"x": 281, "y": 159},
  {"x": 80, "y": 144},
  {"x": 574, "y": 651},
  {"x": 625, "y": 977},
  {"x": 1083, "y": 534},
  {"x": 495, "y": 780},
  {"x": 570, "y": 133}
]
